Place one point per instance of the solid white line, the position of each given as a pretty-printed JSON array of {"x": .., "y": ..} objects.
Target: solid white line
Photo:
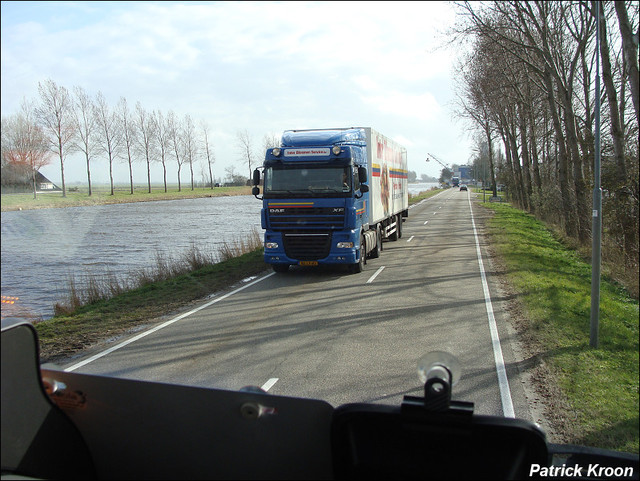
[
  {"x": 269, "y": 384},
  {"x": 503, "y": 381},
  {"x": 375, "y": 275},
  {"x": 161, "y": 326}
]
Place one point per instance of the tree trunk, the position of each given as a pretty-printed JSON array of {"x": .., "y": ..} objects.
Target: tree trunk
[
  {"x": 64, "y": 188},
  {"x": 568, "y": 207},
  {"x": 149, "y": 172},
  {"x": 88, "y": 173},
  {"x": 131, "y": 175},
  {"x": 526, "y": 161},
  {"x": 617, "y": 133},
  {"x": 111, "y": 173},
  {"x": 492, "y": 172},
  {"x": 33, "y": 183},
  {"x": 630, "y": 50},
  {"x": 164, "y": 175}
]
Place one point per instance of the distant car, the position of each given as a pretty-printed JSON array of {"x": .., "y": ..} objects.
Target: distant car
[{"x": 463, "y": 186}]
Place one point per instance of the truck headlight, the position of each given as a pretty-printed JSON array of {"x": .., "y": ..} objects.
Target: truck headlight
[
  {"x": 275, "y": 152},
  {"x": 344, "y": 245},
  {"x": 336, "y": 149},
  {"x": 270, "y": 245}
]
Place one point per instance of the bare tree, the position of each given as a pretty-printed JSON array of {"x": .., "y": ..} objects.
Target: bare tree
[
  {"x": 174, "y": 133},
  {"x": 617, "y": 133},
  {"x": 127, "y": 127},
  {"x": 86, "y": 125},
  {"x": 623, "y": 187},
  {"x": 474, "y": 102},
  {"x": 630, "y": 48},
  {"x": 25, "y": 146},
  {"x": 208, "y": 150},
  {"x": 162, "y": 142},
  {"x": 54, "y": 114},
  {"x": 110, "y": 137},
  {"x": 270, "y": 141},
  {"x": 245, "y": 149},
  {"x": 145, "y": 140},
  {"x": 233, "y": 178},
  {"x": 190, "y": 145}
]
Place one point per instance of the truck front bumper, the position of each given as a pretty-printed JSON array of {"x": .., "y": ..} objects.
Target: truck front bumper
[{"x": 343, "y": 250}]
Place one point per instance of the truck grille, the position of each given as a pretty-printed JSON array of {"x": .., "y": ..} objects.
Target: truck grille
[
  {"x": 306, "y": 217},
  {"x": 307, "y": 247}
]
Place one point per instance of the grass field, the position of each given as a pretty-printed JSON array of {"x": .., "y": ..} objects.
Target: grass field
[{"x": 101, "y": 194}]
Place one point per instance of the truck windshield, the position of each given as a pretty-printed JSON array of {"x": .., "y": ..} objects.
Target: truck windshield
[{"x": 307, "y": 180}]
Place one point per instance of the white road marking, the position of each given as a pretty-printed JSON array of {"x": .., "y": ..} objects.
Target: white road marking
[
  {"x": 410, "y": 238},
  {"x": 375, "y": 275},
  {"x": 503, "y": 382},
  {"x": 269, "y": 384}
]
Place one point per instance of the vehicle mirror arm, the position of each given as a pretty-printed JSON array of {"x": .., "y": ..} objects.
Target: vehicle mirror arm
[
  {"x": 437, "y": 396},
  {"x": 363, "y": 188}
]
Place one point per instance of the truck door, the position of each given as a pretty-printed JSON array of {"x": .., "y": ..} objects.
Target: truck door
[{"x": 360, "y": 202}]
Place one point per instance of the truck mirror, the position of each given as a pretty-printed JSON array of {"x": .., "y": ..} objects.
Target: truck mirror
[
  {"x": 255, "y": 191},
  {"x": 364, "y": 188},
  {"x": 256, "y": 177},
  {"x": 362, "y": 174}
]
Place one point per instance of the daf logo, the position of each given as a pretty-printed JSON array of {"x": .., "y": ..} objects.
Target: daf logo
[
  {"x": 276, "y": 211},
  {"x": 338, "y": 210}
]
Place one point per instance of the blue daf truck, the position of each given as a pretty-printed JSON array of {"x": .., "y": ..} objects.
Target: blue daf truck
[{"x": 331, "y": 196}]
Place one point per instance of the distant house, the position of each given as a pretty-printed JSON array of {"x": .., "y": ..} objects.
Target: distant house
[
  {"x": 16, "y": 179},
  {"x": 45, "y": 184}
]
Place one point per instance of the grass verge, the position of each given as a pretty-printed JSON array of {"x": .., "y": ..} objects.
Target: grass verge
[
  {"x": 423, "y": 195},
  {"x": 553, "y": 286},
  {"x": 101, "y": 194}
]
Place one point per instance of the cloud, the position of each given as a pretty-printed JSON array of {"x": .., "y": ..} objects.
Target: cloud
[{"x": 423, "y": 107}]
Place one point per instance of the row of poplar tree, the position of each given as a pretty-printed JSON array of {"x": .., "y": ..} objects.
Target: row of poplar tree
[{"x": 528, "y": 87}]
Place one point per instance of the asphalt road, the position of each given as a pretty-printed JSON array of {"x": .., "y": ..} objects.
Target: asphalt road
[{"x": 327, "y": 334}]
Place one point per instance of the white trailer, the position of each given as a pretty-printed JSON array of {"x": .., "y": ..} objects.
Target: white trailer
[{"x": 388, "y": 183}]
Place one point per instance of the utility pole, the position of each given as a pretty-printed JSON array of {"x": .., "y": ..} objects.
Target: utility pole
[{"x": 596, "y": 224}]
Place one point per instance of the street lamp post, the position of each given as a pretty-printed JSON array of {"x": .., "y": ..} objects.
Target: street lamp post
[{"x": 436, "y": 159}]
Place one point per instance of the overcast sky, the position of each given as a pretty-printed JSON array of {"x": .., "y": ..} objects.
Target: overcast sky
[{"x": 264, "y": 67}]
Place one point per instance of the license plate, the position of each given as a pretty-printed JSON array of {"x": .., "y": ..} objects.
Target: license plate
[{"x": 308, "y": 263}]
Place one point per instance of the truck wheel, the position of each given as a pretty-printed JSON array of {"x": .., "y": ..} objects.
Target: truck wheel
[
  {"x": 359, "y": 266},
  {"x": 280, "y": 267}
]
